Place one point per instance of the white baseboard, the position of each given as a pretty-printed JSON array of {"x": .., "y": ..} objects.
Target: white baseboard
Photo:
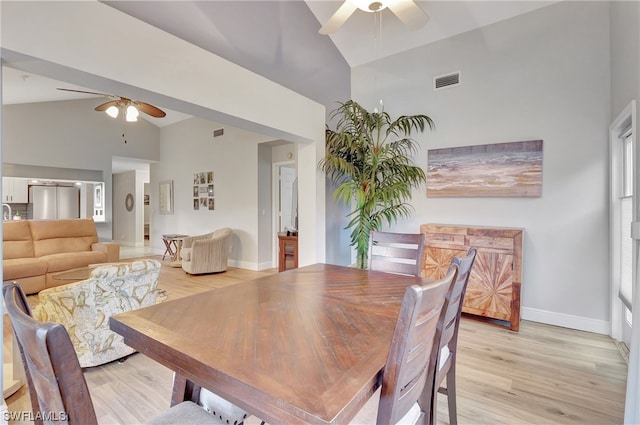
[
  {"x": 138, "y": 244},
  {"x": 256, "y": 267},
  {"x": 243, "y": 265},
  {"x": 566, "y": 321},
  {"x": 265, "y": 266}
]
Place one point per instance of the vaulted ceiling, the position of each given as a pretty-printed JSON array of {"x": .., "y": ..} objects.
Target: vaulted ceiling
[{"x": 280, "y": 41}]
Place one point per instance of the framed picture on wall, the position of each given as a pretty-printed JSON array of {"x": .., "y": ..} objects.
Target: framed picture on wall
[
  {"x": 98, "y": 195},
  {"x": 165, "y": 196}
]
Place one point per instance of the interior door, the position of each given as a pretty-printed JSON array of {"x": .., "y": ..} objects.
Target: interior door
[{"x": 285, "y": 204}]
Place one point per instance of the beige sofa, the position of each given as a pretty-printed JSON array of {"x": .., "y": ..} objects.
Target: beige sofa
[{"x": 36, "y": 250}]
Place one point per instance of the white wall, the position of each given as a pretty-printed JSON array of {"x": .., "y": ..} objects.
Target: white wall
[
  {"x": 187, "y": 148},
  {"x": 124, "y": 222},
  {"x": 625, "y": 54},
  {"x": 543, "y": 75},
  {"x": 265, "y": 216}
]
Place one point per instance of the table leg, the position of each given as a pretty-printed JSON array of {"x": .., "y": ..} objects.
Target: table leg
[
  {"x": 177, "y": 261},
  {"x": 168, "y": 250},
  {"x": 184, "y": 390},
  {"x": 178, "y": 248}
]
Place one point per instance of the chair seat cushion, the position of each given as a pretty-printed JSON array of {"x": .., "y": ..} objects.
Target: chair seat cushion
[
  {"x": 186, "y": 412},
  {"x": 368, "y": 414},
  {"x": 444, "y": 355}
]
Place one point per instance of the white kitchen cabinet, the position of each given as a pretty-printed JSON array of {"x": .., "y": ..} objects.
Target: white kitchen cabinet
[{"x": 15, "y": 190}]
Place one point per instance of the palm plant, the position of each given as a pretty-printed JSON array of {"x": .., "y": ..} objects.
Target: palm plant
[{"x": 368, "y": 158}]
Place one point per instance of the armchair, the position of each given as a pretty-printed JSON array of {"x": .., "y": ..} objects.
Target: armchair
[
  {"x": 206, "y": 253},
  {"x": 84, "y": 307}
]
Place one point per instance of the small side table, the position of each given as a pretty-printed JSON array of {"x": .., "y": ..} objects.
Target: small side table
[
  {"x": 173, "y": 244},
  {"x": 288, "y": 251}
]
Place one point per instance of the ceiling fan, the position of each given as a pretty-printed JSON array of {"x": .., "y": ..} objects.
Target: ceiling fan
[
  {"x": 406, "y": 10},
  {"x": 129, "y": 107}
]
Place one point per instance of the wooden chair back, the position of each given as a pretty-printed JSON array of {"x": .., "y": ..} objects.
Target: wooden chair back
[
  {"x": 446, "y": 350},
  {"x": 454, "y": 301},
  {"x": 400, "y": 253},
  {"x": 57, "y": 387},
  {"x": 411, "y": 355}
]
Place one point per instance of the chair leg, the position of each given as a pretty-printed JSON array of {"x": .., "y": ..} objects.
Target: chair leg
[
  {"x": 434, "y": 409},
  {"x": 451, "y": 395}
]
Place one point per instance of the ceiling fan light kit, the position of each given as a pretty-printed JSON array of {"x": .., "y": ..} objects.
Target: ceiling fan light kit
[
  {"x": 132, "y": 114},
  {"x": 113, "y": 111}
]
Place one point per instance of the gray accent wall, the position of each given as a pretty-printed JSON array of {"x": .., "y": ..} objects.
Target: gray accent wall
[
  {"x": 544, "y": 75},
  {"x": 276, "y": 39}
]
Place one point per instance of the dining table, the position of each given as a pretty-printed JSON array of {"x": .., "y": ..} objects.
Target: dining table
[{"x": 307, "y": 345}]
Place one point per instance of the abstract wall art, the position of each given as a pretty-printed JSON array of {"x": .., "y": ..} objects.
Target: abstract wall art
[{"x": 512, "y": 169}]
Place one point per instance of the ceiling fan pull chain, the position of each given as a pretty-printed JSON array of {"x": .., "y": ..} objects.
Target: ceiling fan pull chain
[{"x": 123, "y": 131}]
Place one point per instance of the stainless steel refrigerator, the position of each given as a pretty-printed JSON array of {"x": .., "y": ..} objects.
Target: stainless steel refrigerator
[{"x": 54, "y": 202}]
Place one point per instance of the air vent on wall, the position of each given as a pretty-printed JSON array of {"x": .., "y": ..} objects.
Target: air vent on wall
[
  {"x": 447, "y": 80},
  {"x": 219, "y": 132}
]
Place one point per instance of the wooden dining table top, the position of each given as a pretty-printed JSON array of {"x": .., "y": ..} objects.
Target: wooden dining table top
[{"x": 304, "y": 346}]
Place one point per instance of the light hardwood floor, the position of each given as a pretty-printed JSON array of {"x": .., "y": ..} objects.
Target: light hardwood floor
[{"x": 539, "y": 375}]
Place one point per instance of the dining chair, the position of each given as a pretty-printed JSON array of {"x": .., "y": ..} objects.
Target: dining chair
[
  {"x": 448, "y": 330},
  {"x": 400, "y": 253},
  {"x": 405, "y": 377},
  {"x": 57, "y": 388}
]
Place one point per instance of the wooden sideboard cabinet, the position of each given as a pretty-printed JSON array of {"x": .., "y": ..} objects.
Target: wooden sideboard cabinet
[
  {"x": 288, "y": 252},
  {"x": 496, "y": 277}
]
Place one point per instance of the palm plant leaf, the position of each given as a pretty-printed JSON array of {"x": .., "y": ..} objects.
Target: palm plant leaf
[{"x": 369, "y": 158}]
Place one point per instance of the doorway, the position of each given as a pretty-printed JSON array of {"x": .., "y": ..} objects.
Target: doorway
[
  {"x": 624, "y": 229},
  {"x": 285, "y": 202}
]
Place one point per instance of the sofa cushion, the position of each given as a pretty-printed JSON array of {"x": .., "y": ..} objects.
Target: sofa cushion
[
  {"x": 60, "y": 236},
  {"x": 16, "y": 268},
  {"x": 16, "y": 240},
  {"x": 60, "y": 262}
]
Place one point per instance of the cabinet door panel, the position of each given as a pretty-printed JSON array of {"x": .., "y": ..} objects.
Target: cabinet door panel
[
  {"x": 490, "y": 288},
  {"x": 20, "y": 191},
  {"x": 437, "y": 261}
]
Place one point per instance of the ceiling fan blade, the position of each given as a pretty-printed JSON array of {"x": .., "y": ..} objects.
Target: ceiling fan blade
[
  {"x": 149, "y": 109},
  {"x": 89, "y": 92},
  {"x": 337, "y": 19},
  {"x": 409, "y": 13},
  {"x": 104, "y": 106}
]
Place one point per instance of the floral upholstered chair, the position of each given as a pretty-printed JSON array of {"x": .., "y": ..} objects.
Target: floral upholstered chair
[{"x": 84, "y": 307}]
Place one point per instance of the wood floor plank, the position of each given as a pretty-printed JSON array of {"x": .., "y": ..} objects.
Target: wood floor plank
[{"x": 540, "y": 375}]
